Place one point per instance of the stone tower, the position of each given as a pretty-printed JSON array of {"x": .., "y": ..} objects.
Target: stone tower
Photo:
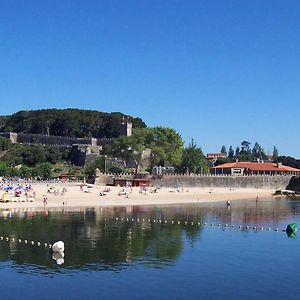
[{"x": 126, "y": 127}]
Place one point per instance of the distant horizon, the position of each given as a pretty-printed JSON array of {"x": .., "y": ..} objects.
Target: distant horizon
[{"x": 219, "y": 72}]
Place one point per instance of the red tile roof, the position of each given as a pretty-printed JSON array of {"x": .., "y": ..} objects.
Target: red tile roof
[{"x": 253, "y": 166}]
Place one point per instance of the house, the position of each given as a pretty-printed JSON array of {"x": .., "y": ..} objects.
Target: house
[
  {"x": 255, "y": 168},
  {"x": 215, "y": 156},
  {"x": 164, "y": 167},
  {"x": 141, "y": 179}
]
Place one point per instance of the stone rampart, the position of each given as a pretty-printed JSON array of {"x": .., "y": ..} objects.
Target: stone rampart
[
  {"x": 174, "y": 180},
  {"x": 26, "y": 138},
  {"x": 60, "y": 141},
  {"x": 253, "y": 181}
]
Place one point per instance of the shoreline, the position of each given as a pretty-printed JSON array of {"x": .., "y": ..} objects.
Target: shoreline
[{"x": 79, "y": 196}]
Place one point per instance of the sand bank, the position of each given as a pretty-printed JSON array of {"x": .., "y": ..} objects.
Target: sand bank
[{"x": 89, "y": 196}]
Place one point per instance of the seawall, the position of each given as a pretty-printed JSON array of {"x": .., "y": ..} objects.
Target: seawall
[
  {"x": 174, "y": 180},
  {"x": 259, "y": 182}
]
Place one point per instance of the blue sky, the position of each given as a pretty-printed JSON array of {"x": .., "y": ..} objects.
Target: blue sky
[{"x": 217, "y": 71}]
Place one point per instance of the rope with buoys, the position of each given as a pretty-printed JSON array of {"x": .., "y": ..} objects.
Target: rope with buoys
[
  {"x": 291, "y": 228},
  {"x": 58, "y": 248}
]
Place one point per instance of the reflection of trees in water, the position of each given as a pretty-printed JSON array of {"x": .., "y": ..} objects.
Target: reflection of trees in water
[{"x": 94, "y": 239}]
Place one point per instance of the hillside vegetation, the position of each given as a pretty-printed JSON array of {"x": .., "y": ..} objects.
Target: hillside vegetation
[{"x": 67, "y": 122}]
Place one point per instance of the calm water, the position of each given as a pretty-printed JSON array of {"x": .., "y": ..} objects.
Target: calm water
[{"x": 108, "y": 257}]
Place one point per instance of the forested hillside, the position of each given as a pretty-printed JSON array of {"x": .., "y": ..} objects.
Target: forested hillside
[{"x": 67, "y": 122}]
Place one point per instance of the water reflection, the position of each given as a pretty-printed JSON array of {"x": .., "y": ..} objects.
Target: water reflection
[{"x": 96, "y": 240}]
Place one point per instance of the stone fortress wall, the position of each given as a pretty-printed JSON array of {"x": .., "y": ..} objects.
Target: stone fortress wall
[
  {"x": 217, "y": 181},
  {"x": 60, "y": 141}
]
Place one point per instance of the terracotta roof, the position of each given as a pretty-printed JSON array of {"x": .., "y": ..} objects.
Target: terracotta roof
[{"x": 253, "y": 166}]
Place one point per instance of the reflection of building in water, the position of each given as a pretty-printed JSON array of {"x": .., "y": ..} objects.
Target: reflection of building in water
[
  {"x": 258, "y": 213},
  {"x": 94, "y": 238}
]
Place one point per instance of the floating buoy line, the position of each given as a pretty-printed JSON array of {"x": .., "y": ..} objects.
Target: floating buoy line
[
  {"x": 57, "y": 248},
  {"x": 205, "y": 224},
  {"x": 26, "y": 242}
]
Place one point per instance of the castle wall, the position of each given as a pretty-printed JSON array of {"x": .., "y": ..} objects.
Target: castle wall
[
  {"x": 172, "y": 180},
  {"x": 259, "y": 182},
  {"x": 25, "y": 138}
]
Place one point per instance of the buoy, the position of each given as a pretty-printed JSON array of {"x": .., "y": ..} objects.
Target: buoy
[
  {"x": 58, "y": 257},
  {"x": 58, "y": 246},
  {"x": 291, "y": 227}
]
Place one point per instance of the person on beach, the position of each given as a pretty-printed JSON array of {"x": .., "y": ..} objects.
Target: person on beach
[{"x": 45, "y": 200}]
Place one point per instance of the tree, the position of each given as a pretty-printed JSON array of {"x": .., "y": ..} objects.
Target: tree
[
  {"x": 245, "y": 153},
  {"x": 237, "y": 152},
  {"x": 44, "y": 170},
  {"x": 256, "y": 151},
  {"x": 165, "y": 144},
  {"x": 245, "y": 146},
  {"x": 68, "y": 122},
  {"x": 25, "y": 172},
  {"x": 275, "y": 154},
  {"x": 223, "y": 150},
  {"x": 193, "y": 159},
  {"x": 4, "y": 169},
  {"x": 230, "y": 152}
]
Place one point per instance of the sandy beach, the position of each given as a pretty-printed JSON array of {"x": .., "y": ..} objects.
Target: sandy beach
[{"x": 76, "y": 195}]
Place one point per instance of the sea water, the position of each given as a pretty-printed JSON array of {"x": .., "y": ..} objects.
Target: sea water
[{"x": 203, "y": 251}]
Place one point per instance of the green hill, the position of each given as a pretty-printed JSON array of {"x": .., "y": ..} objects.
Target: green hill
[{"x": 67, "y": 122}]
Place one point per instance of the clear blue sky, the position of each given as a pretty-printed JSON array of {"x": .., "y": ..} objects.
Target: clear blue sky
[{"x": 217, "y": 71}]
